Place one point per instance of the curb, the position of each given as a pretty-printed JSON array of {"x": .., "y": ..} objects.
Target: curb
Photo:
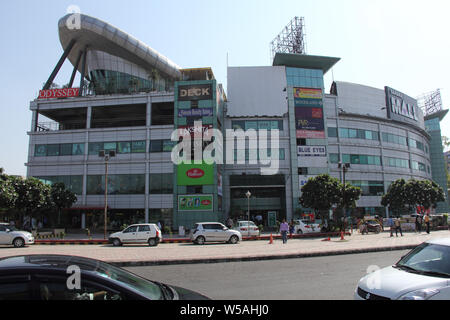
[
  {"x": 184, "y": 240},
  {"x": 260, "y": 258}
]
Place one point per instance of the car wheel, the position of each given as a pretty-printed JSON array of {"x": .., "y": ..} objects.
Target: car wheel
[
  {"x": 117, "y": 243},
  {"x": 152, "y": 242},
  {"x": 18, "y": 243},
  {"x": 200, "y": 240},
  {"x": 234, "y": 239},
  {"x": 299, "y": 231}
]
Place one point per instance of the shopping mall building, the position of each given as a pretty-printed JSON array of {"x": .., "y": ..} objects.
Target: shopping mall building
[{"x": 132, "y": 99}]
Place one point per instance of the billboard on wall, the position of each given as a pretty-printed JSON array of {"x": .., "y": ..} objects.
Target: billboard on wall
[
  {"x": 195, "y": 202},
  {"x": 307, "y": 97},
  {"x": 59, "y": 93},
  {"x": 311, "y": 151},
  {"x": 195, "y": 174},
  {"x": 401, "y": 107},
  {"x": 309, "y": 119},
  {"x": 195, "y": 92}
]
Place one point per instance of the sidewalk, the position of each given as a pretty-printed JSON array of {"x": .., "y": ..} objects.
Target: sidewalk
[{"x": 188, "y": 253}]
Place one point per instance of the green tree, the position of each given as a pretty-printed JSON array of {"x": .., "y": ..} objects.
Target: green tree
[
  {"x": 62, "y": 198},
  {"x": 320, "y": 194},
  {"x": 424, "y": 194},
  {"x": 396, "y": 198},
  {"x": 351, "y": 195},
  {"x": 8, "y": 194}
]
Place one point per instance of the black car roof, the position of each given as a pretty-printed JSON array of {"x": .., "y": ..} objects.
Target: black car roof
[{"x": 50, "y": 262}]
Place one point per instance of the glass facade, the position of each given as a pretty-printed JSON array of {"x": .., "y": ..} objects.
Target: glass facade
[
  {"x": 358, "y": 134},
  {"x": 370, "y": 188},
  {"x": 415, "y": 165},
  {"x": 117, "y": 184},
  {"x": 109, "y": 82},
  {"x": 257, "y": 124},
  {"x": 396, "y": 162},
  {"x": 253, "y": 154},
  {"x": 53, "y": 150},
  {"x": 361, "y": 159},
  {"x": 122, "y": 147},
  {"x": 309, "y": 78},
  {"x": 72, "y": 183},
  {"x": 161, "y": 183},
  {"x": 395, "y": 139},
  {"x": 162, "y": 145}
]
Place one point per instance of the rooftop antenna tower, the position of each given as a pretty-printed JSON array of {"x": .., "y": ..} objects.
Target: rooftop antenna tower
[
  {"x": 430, "y": 102},
  {"x": 291, "y": 39}
]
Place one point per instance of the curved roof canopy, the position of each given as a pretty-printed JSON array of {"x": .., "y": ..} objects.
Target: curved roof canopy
[{"x": 98, "y": 35}]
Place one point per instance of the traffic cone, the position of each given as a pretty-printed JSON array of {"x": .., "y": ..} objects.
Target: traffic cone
[
  {"x": 271, "y": 239},
  {"x": 328, "y": 239},
  {"x": 342, "y": 235}
]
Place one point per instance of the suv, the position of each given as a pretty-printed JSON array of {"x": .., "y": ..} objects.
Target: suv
[
  {"x": 137, "y": 233},
  {"x": 214, "y": 232},
  {"x": 11, "y": 236}
]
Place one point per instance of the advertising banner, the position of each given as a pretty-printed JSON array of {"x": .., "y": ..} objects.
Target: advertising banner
[
  {"x": 195, "y": 92},
  {"x": 309, "y": 134},
  {"x": 191, "y": 130},
  {"x": 58, "y": 93},
  {"x": 309, "y": 118},
  {"x": 199, "y": 112},
  {"x": 311, "y": 151},
  {"x": 195, "y": 174},
  {"x": 197, "y": 202},
  {"x": 308, "y": 97}
]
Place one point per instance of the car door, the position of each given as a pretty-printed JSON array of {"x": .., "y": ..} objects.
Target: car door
[
  {"x": 143, "y": 233},
  {"x": 5, "y": 237},
  {"x": 129, "y": 235},
  {"x": 209, "y": 232},
  {"x": 219, "y": 233}
]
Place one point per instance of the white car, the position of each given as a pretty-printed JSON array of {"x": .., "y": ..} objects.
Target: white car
[
  {"x": 11, "y": 236},
  {"x": 137, "y": 233},
  {"x": 247, "y": 228},
  {"x": 214, "y": 232},
  {"x": 305, "y": 226},
  {"x": 422, "y": 274}
]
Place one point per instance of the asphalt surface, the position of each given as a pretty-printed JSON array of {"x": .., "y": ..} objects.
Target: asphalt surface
[
  {"x": 188, "y": 253},
  {"x": 319, "y": 278}
]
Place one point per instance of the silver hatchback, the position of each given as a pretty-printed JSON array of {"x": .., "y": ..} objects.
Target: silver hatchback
[
  {"x": 214, "y": 232},
  {"x": 11, "y": 236}
]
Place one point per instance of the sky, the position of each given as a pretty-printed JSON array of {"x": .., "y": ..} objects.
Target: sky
[{"x": 395, "y": 43}]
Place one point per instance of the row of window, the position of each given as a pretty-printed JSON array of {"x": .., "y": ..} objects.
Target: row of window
[
  {"x": 376, "y": 160},
  {"x": 257, "y": 124},
  {"x": 160, "y": 183},
  {"x": 369, "y": 188},
  {"x": 122, "y": 147},
  {"x": 374, "y": 135},
  {"x": 254, "y": 154}
]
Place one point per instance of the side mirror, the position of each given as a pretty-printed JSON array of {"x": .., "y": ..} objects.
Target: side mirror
[{"x": 8, "y": 230}]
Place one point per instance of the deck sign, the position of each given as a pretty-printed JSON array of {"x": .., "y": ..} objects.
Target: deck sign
[{"x": 195, "y": 92}]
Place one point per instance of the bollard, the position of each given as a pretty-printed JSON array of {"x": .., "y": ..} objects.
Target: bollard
[
  {"x": 271, "y": 239},
  {"x": 342, "y": 235}
]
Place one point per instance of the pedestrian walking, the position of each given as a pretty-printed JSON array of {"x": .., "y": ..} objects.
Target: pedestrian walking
[
  {"x": 418, "y": 223},
  {"x": 427, "y": 222},
  {"x": 398, "y": 227},
  {"x": 284, "y": 228}
]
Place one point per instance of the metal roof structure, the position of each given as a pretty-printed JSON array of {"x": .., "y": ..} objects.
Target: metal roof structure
[{"x": 305, "y": 61}]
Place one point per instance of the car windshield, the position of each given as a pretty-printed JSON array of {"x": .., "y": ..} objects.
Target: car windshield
[{"x": 428, "y": 259}]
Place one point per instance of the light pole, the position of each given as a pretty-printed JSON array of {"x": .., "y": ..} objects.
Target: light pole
[
  {"x": 106, "y": 157},
  {"x": 344, "y": 167},
  {"x": 248, "y": 195}
]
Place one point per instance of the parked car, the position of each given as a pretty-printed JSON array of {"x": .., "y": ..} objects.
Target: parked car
[
  {"x": 214, "y": 232},
  {"x": 9, "y": 235},
  {"x": 422, "y": 274},
  {"x": 247, "y": 228},
  {"x": 137, "y": 233},
  {"x": 305, "y": 226},
  {"x": 55, "y": 277}
]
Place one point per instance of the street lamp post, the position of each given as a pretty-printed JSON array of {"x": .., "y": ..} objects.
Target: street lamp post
[
  {"x": 344, "y": 167},
  {"x": 106, "y": 157},
  {"x": 248, "y": 195}
]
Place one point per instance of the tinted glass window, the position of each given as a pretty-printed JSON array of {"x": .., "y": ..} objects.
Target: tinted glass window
[
  {"x": 14, "y": 290},
  {"x": 144, "y": 228},
  {"x": 66, "y": 149},
  {"x": 131, "y": 229},
  {"x": 77, "y": 149}
]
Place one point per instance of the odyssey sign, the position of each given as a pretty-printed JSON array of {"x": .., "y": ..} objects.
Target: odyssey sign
[
  {"x": 59, "y": 93},
  {"x": 400, "y": 106}
]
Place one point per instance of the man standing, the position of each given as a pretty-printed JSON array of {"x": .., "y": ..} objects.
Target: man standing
[
  {"x": 418, "y": 223},
  {"x": 398, "y": 227},
  {"x": 427, "y": 222},
  {"x": 284, "y": 228}
]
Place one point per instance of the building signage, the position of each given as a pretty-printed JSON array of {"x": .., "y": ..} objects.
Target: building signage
[
  {"x": 302, "y": 180},
  {"x": 195, "y": 174},
  {"x": 199, "y": 112},
  {"x": 59, "y": 93},
  {"x": 308, "y": 97},
  {"x": 401, "y": 107},
  {"x": 192, "y": 130},
  {"x": 195, "y": 92},
  {"x": 311, "y": 151},
  {"x": 309, "y": 119},
  {"x": 309, "y": 134},
  {"x": 197, "y": 202}
]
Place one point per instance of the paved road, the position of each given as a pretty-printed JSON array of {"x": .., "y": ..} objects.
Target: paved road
[{"x": 320, "y": 278}]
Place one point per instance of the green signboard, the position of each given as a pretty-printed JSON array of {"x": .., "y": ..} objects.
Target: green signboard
[
  {"x": 272, "y": 218},
  {"x": 195, "y": 174},
  {"x": 196, "y": 202}
]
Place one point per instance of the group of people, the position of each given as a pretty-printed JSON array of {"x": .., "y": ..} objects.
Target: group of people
[{"x": 420, "y": 221}]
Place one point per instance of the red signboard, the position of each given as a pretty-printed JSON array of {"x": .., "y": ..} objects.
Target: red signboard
[{"x": 59, "y": 93}]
